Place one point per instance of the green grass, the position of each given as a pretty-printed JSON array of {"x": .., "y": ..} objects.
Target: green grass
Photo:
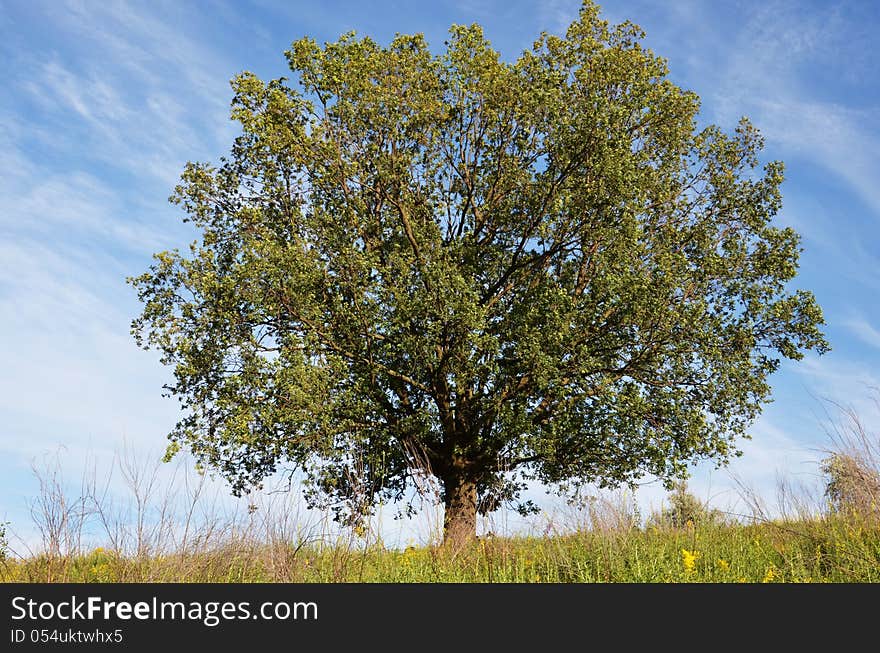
[{"x": 812, "y": 551}]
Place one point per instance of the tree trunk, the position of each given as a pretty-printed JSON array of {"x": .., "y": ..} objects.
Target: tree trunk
[{"x": 460, "y": 517}]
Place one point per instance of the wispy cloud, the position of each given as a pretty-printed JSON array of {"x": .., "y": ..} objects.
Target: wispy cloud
[
  {"x": 93, "y": 134},
  {"x": 853, "y": 384},
  {"x": 93, "y": 98},
  {"x": 137, "y": 94},
  {"x": 558, "y": 14},
  {"x": 866, "y": 332},
  {"x": 771, "y": 78}
]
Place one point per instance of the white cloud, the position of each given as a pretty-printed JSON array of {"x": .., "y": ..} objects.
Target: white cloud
[
  {"x": 138, "y": 93},
  {"x": 92, "y": 139},
  {"x": 843, "y": 141},
  {"x": 768, "y": 78},
  {"x": 89, "y": 96},
  {"x": 558, "y": 14},
  {"x": 864, "y": 331},
  {"x": 836, "y": 382}
]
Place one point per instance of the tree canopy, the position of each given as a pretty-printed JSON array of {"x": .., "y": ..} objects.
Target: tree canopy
[{"x": 486, "y": 271}]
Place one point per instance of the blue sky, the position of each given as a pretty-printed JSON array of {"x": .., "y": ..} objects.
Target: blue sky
[{"x": 103, "y": 102}]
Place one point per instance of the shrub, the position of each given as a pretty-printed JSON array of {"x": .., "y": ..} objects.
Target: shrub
[
  {"x": 4, "y": 543},
  {"x": 853, "y": 485}
]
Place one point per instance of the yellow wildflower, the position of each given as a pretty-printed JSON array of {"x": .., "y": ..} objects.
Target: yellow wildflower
[
  {"x": 770, "y": 575},
  {"x": 723, "y": 564},
  {"x": 689, "y": 560},
  {"x": 101, "y": 573}
]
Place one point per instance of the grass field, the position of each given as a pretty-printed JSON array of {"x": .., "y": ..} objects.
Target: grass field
[{"x": 822, "y": 550}]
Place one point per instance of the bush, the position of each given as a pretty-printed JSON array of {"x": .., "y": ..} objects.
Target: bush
[
  {"x": 4, "y": 543},
  {"x": 853, "y": 485}
]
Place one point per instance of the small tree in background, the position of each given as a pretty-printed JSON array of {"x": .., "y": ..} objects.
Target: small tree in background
[
  {"x": 684, "y": 507},
  {"x": 487, "y": 272}
]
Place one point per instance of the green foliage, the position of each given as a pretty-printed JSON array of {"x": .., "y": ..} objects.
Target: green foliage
[
  {"x": 684, "y": 509},
  {"x": 483, "y": 270}
]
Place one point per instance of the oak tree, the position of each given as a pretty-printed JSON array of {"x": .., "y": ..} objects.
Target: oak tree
[{"x": 490, "y": 272}]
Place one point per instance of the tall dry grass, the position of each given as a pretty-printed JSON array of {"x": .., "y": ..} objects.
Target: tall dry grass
[{"x": 148, "y": 525}]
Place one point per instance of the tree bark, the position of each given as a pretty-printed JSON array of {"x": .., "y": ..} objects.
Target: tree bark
[{"x": 460, "y": 516}]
